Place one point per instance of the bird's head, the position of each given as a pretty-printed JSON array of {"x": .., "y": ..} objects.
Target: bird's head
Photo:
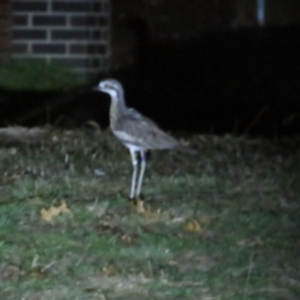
[{"x": 111, "y": 87}]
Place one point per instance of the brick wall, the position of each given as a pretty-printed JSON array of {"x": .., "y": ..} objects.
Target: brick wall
[
  {"x": 4, "y": 29},
  {"x": 71, "y": 32}
]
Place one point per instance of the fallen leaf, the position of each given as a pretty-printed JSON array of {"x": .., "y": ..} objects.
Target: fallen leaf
[
  {"x": 48, "y": 214},
  {"x": 193, "y": 226},
  {"x": 139, "y": 206},
  {"x": 144, "y": 210},
  {"x": 127, "y": 239},
  {"x": 63, "y": 207},
  {"x": 110, "y": 270}
]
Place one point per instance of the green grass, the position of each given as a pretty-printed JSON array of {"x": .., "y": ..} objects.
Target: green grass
[
  {"x": 244, "y": 194},
  {"x": 35, "y": 75}
]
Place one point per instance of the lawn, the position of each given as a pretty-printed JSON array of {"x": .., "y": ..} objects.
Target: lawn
[{"x": 223, "y": 224}]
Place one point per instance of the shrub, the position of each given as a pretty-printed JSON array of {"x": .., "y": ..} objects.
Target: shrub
[{"x": 36, "y": 75}]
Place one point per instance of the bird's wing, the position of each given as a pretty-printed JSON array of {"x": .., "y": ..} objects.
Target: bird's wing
[{"x": 144, "y": 132}]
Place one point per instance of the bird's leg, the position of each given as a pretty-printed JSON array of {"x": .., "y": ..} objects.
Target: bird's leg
[
  {"x": 142, "y": 171},
  {"x": 135, "y": 169}
]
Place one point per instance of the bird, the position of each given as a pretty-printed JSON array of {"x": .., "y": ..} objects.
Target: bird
[{"x": 136, "y": 132}]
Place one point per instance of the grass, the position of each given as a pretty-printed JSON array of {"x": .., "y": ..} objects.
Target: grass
[
  {"x": 243, "y": 193},
  {"x": 36, "y": 75}
]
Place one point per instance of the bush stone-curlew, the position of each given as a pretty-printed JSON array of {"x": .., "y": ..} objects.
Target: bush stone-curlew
[{"x": 136, "y": 132}]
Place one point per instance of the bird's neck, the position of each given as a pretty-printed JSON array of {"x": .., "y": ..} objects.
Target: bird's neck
[{"x": 117, "y": 109}]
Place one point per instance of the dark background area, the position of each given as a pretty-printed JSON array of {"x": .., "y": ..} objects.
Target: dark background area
[
  {"x": 244, "y": 81},
  {"x": 197, "y": 68}
]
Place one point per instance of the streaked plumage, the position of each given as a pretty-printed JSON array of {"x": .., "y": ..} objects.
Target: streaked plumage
[{"x": 136, "y": 132}]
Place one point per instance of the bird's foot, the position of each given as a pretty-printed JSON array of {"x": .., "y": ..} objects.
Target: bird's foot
[
  {"x": 143, "y": 208},
  {"x": 135, "y": 200},
  {"x": 138, "y": 204}
]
